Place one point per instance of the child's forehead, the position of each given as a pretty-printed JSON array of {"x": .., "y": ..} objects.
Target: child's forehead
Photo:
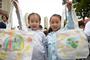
[
  {"x": 34, "y": 15},
  {"x": 55, "y": 17},
  {"x": 34, "y": 18}
]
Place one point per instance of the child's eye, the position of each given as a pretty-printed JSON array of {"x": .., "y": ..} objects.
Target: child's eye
[
  {"x": 32, "y": 21},
  {"x": 37, "y": 21}
]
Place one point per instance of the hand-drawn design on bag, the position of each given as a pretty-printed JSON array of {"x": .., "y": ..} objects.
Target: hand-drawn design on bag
[
  {"x": 3, "y": 55},
  {"x": 28, "y": 45},
  {"x": 72, "y": 41},
  {"x": 0, "y": 45},
  {"x": 17, "y": 43}
]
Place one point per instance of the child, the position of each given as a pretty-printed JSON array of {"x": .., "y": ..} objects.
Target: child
[
  {"x": 55, "y": 24},
  {"x": 34, "y": 21},
  {"x": 39, "y": 51}
]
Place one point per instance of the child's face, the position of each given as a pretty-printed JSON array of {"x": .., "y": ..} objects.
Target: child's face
[
  {"x": 34, "y": 22},
  {"x": 55, "y": 23}
]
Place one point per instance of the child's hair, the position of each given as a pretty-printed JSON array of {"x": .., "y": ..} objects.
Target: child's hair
[
  {"x": 33, "y": 14},
  {"x": 55, "y": 15},
  {"x": 50, "y": 29},
  {"x": 45, "y": 32},
  {"x": 40, "y": 26}
]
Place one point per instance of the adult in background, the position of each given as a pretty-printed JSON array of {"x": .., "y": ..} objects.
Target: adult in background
[{"x": 4, "y": 22}]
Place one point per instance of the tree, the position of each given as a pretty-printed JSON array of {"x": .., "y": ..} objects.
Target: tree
[{"x": 82, "y": 8}]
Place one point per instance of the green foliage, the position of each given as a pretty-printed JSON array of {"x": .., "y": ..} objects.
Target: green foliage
[{"x": 82, "y": 7}]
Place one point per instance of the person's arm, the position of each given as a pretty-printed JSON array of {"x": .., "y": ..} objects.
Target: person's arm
[
  {"x": 70, "y": 23},
  {"x": 72, "y": 15}
]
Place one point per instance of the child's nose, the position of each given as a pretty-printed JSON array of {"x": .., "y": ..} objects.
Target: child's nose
[
  {"x": 55, "y": 24},
  {"x": 34, "y": 23}
]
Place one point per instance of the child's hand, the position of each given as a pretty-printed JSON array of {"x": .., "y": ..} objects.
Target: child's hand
[{"x": 69, "y": 5}]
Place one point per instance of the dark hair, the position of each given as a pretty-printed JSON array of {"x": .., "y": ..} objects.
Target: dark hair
[
  {"x": 50, "y": 29},
  {"x": 29, "y": 27},
  {"x": 81, "y": 23},
  {"x": 34, "y": 14},
  {"x": 5, "y": 16},
  {"x": 40, "y": 26},
  {"x": 45, "y": 32},
  {"x": 55, "y": 15}
]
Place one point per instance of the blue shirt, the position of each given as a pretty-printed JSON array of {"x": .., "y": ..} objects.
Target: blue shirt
[{"x": 52, "y": 53}]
